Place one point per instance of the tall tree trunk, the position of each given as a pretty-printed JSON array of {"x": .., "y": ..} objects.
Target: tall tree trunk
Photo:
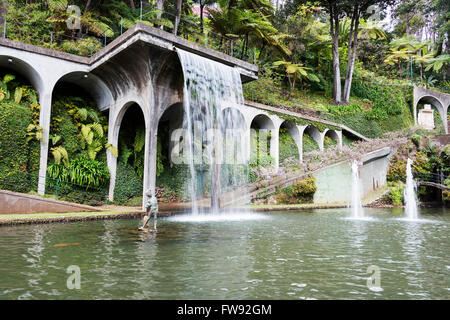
[
  {"x": 86, "y": 9},
  {"x": 159, "y": 7},
  {"x": 132, "y": 5},
  {"x": 202, "y": 6},
  {"x": 351, "y": 57},
  {"x": 178, "y": 17},
  {"x": 334, "y": 30}
]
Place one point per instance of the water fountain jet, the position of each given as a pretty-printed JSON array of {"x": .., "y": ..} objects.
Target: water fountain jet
[
  {"x": 356, "y": 206},
  {"x": 410, "y": 193}
]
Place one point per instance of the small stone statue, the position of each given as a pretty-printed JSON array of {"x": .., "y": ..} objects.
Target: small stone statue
[{"x": 151, "y": 206}]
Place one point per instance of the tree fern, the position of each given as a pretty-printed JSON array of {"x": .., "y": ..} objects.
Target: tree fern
[
  {"x": 18, "y": 93},
  {"x": 57, "y": 5}
]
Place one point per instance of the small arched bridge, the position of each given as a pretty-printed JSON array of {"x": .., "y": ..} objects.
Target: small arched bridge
[{"x": 441, "y": 101}]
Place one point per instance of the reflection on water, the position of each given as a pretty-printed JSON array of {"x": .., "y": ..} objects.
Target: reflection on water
[{"x": 283, "y": 255}]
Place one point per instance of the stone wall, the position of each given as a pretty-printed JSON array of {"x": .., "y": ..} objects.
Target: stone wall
[
  {"x": 334, "y": 184},
  {"x": 14, "y": 202}
]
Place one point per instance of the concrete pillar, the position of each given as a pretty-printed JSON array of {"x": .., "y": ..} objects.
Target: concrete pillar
[
  {"x": 274, "y": 147},
  {"x": 301, "y": 129},
  {"x": 113, "y": 138},
  {"x": 151, "y": 141},
  {"x": 45, "y": 101},
  {"x": 339, "y": 136},
  {"x": 317, "y": 136}
]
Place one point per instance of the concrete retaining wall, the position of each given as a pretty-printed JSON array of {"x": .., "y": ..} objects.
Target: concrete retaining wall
[
  {"x": 13, "y": 202},
  {"x": 334, "y": 184}
]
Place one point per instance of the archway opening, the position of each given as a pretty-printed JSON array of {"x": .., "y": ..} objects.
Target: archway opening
[
  {"x": 288, "y": 149},
  {"x": 76, "y": 165},
  {"x": 19, "y": 108},
  {"x": 331, "y": 139},
  {"x": 234, "y": 162},
  {"x": 434, "y": 122},
  {"x": 260, "y": 136},
  {"x": 309, "y": 143},
  {"x": 130, "y": 161},
  {"x": 172, "y": 173}
]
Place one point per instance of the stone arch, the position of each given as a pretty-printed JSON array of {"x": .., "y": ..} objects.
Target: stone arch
[
  {"x": 439, "y": 100},
  {"x": 233, "y": 128},
  {"x": 24, "y": 69},
  {"x": 295, "y": 134},
  {"x": 169, "y": 121},
  {"x": 435, "y": 102},
  {"x": 113, "y": 138},
  {"x": 335, "y": 135},
  {"x": 314, "y": 133},
  {"x": 90, "y": 83},
  {"x": 168, "y": 84},
  {"x": 262, "y": 125}
]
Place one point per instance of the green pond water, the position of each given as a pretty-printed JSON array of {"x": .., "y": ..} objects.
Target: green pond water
[{"x": 317, "y": 254}]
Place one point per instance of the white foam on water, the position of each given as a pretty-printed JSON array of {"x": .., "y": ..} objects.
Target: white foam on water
[{"x": 218, "y": 217}]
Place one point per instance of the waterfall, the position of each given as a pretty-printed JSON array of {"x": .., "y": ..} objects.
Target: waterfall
[
  {"x": 212, "y": 97},
  {"x": 410, "y": 193},
  {"x": 356, "y": 206}
]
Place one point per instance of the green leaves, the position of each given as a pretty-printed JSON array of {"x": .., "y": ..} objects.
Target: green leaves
[
  {"x": 18, "y": 95},
  {"x": 34, "y": 132},
  {"x": 8, "y": 78},
  {"x": 81, "y": 171},
  {"x": 59, "y": 153},
  {"x": 437, "y": 63},
  {"x": 57, "y": 5},
  {"x": 114, "y": 150}
]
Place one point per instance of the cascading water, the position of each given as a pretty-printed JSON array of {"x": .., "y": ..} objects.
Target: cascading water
[
  {"x": 410, "y": 193},
  {"x": 212, "y": 96},
  {"x": 356, "y": 206}
]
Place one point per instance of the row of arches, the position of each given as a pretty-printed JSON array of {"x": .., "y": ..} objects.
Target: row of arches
[{"x": 157, "y": 122}]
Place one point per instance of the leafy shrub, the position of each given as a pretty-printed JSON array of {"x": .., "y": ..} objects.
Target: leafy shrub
[
  {"x": 396, "y": 170},
  {"x": 416, "y": 139},
  {"x": 305, "y": 189},
  {"x": 128, "y": 184},
  {"x": 82, "y": 171},
  {"x": 396, "y": 193}
]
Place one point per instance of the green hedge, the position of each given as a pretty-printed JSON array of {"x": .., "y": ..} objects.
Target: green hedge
[
  {"x": 128, "y": 184},
  {"x": 17, "y": 157}
]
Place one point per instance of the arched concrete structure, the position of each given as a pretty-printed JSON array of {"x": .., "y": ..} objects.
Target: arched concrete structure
[
  {"x": 335, "y": 135},
  {"x": 93, "y": 85},
  {"x": 141, "y": 66},
  {"x": 315, "y": 134},
  {"x": 296, "y": 134},
  {"x": 441, "y": 101},
  {"x": 268, "y": 123},
  {"x": 113, "y": 138},
  {"x": 233, "y": 128}
]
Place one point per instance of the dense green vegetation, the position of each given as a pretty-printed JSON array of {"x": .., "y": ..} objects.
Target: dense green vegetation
[
  {"x": 429, "y": 162},
  {"x": 329, "y": 59}
]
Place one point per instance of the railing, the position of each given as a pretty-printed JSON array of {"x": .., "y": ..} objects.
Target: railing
[
  {"x": 25, "y": 182},
  {"x": 80, "y": 44}
]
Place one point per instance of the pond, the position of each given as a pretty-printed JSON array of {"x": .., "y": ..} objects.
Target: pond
[{"x": 316, "y": 254}]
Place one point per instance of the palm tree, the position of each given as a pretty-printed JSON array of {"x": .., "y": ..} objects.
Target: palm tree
[
  {"x": 437, "y": 63},
  {"x": 295, "y": 71},
  {"x": 422, "y": 60},
  {"x": 396, "y": 56}
]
